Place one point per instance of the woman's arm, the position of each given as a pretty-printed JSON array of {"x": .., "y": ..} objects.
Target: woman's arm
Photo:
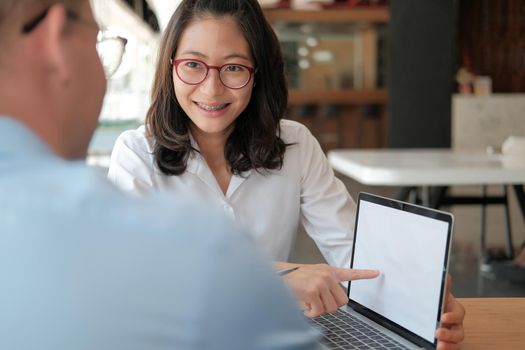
[{"x": 327, "y": 209}]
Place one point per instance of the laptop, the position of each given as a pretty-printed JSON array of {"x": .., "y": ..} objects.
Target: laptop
[{"x": 400, "y": 309}]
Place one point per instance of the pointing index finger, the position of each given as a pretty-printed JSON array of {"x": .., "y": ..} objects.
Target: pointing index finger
[{"x": 355, "y": 274}]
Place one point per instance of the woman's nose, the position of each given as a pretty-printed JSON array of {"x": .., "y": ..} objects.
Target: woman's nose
[{"x": 213, "y": 85}]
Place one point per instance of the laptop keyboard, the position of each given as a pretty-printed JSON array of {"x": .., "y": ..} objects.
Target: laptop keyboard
[{"x": 344, "y": 331}]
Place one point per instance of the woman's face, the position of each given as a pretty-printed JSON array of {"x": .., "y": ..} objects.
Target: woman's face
[{"x": 211, "y": 106}]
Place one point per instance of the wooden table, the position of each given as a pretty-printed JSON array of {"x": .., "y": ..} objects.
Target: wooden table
[{"x": 494, "y": 323}]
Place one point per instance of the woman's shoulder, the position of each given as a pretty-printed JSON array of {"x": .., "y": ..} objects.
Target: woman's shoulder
[
  {"x": 294, "y": 132},
  {"x": 136, "y": 139}
]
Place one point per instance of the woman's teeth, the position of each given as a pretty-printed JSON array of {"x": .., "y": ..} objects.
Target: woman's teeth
[{"x": 211, "y": 108}]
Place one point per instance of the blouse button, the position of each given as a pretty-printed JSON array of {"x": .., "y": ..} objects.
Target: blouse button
[{"x": 229, "y": 211}]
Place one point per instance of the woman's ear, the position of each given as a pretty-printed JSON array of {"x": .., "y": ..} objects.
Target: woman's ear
[{"x": 50, "y": 47}]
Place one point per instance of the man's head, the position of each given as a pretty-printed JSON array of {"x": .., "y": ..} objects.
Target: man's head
[{"x": 51, "y": 78}]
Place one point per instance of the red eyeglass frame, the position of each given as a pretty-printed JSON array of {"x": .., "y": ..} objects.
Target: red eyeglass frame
[{"x": 176, "y": 64}]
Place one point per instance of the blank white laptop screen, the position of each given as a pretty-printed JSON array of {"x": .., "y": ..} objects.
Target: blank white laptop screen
[{"x": 410, "y": 251}]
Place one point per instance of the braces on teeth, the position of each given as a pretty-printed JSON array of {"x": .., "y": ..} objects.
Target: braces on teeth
[{"x": 211, "y": 108}]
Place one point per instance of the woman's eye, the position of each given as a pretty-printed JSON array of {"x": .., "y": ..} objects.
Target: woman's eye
[
  {"x": 234, "y": 68},
  {"x": 193, "y": 64}
]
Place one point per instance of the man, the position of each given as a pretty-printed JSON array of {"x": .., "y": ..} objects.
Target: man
[
  {"x": 81, "y": 265},
  {"x": 84, "y": 267}
]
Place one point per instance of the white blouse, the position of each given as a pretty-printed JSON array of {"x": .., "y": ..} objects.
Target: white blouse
[{"x": 270, "y": 204}]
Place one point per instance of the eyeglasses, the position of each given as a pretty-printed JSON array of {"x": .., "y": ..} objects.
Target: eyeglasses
[
  {"x": 110, "y": 48},
  {"x": 193, "y": 72}
]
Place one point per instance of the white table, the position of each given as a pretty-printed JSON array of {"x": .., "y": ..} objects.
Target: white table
[{"x": 426, "y": 168}]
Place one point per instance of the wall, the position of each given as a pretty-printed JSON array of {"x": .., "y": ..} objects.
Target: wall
[{"x": 422, "y": 44}]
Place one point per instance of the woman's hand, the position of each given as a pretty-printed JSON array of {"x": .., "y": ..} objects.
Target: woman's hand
[
  {"x": 319, "y": 288},
  {"x": 451, "y": 332}
]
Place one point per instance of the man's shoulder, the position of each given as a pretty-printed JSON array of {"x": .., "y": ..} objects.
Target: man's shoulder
[
  {"x": 157, "y": 213},
  {"x": 71, "y": 193}
]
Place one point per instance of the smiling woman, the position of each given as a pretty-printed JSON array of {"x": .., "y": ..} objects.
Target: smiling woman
[
  {"x": 210, "y": 104},
  {"x": 252, "y": 144},
  {"x": 215, "y": 128}
]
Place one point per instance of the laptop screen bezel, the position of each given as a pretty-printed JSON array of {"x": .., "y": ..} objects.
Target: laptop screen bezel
[{"x": 418, "y": 210}]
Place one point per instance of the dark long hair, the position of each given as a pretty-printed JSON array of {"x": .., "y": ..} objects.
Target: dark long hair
[{"x": 255, "y": 142}]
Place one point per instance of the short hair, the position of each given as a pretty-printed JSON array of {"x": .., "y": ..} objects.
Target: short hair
[
  {"x": 14, "y": 12},
  {"x": 255, "y": 142},
  {"x": 10, "y": 13}
]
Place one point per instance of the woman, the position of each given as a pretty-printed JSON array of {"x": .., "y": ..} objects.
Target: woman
[
  {"x": 220, "y": 135},
  {"x": 215, "y": 129}
]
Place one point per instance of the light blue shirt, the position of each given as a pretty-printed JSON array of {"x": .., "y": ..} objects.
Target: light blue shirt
[{"x": 83, "y": 266}]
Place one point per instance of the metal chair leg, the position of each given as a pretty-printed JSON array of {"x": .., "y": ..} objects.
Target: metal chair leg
[
  {"x": 510, "y": 246},
  {"x": 482, "y": 242},
  {"x": 404, "y": 193}
]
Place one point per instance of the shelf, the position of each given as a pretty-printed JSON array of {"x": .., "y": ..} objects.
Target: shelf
[
  {"x": 342, "y": 97},
  {"x": 377, "y": 15}
]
